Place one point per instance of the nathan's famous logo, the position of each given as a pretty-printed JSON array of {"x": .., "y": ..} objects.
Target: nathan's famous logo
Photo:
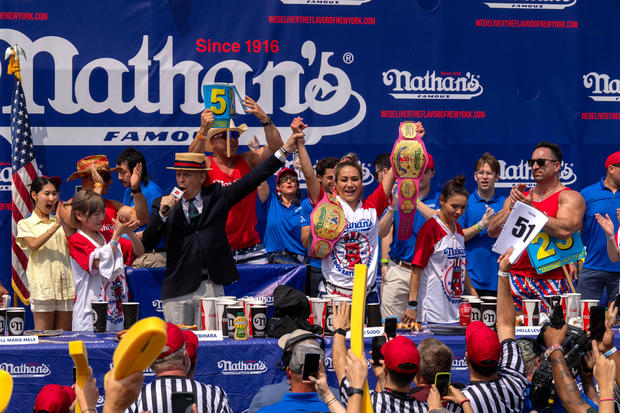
[
  {"x": 158, "y": 305},
  {"x": 327, "y": 2},
  {"x": 326, "y": 94},
  {"x": 242, "y": 367},
  {"x": 530, "y": 4},
  {"x": 452, "y": 85},
  {"x": 510, "y": 175},
  {"x": 459, "y": 363},
  {"x": 603, "y": 87},
  {"x": 26, "y": 369}
]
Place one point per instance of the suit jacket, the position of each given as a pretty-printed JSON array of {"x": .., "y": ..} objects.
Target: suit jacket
[{"x": 203, "y": 252}]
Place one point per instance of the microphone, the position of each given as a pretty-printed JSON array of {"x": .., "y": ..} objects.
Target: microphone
[{"x": 177, "y": 193}]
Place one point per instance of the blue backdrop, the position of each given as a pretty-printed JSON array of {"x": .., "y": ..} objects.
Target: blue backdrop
[{"x": 482, "y": 76}]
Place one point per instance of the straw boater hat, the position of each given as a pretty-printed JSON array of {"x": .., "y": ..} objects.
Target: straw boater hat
[
  {"x": 214, "y": 131},
  {"x": 189, "y": 161},
  {"x": 83, "y": 166}
]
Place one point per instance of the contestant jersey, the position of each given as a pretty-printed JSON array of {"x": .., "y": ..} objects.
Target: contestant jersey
[
  {"x": 441, "y": 255},
  {"x": 523, "y": 266},
  {"x": 241, "y": 223},
  {"x": 359, "y": 242},
  {"x": 107, "y": 283}
]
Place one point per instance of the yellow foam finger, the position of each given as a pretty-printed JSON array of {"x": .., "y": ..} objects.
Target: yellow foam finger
[
  {"x": 78, "y": 353},
  {"x": 6, "y": 389},
  {"x": 358, "y": 311},
  {"x": 139, "y": 347}
]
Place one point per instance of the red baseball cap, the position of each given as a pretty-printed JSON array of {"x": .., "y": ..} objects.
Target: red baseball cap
[
  {"x": 401, "y": 355},
  {"x": 54, "y": 398},
  {"x": 482, "y": 344},
  {"x": 174, "y": 341},
  {"x": 430, "y": 162},
  {"x": 612, "y": 159},
  {"x": 191, "y": 343},
  {"x": 286, "y": 171}
]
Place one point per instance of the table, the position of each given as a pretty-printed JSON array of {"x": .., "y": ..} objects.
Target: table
[{"x": 239, "y": 367}]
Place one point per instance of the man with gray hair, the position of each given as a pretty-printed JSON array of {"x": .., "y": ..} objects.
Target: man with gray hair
[
  {"x": 435, "y": 357},
  {"x": 171, "y": 369},
  {"x": 302, "y": 396}
]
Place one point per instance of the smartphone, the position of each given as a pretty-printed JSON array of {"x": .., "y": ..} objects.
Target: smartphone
[
  {"x": 390, "y": 327},
  {"x": 182, "y": 402},
  {"x": 442, "y": 382},
  {"x": 557, "y": 317},
  {"x": 377, "y": 343},
  {"x": 311, "y": 366},
  {"x": 74, "y": 374},
  {"x": 618, "y": 301},
  {"x": 597, "y": 323},
  {"x": 78, "y": 188}
]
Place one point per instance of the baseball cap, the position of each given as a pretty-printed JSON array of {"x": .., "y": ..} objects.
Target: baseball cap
[
  {"x": 54, "y": 398},
  {"x": 401, "y": 355},
  {"x": 430, "y": 163},
  {"x": 191, "y": 343},
  {"x": 482, "y": 344},
  {"x": 174, "y": 341},
  {"x": 285, "y": 171},
  {"x": 299, "y": 350},
  {"x": 612, "y": 159}
]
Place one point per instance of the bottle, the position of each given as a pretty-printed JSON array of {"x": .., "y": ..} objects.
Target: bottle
[{"x": 241, "y": 327}]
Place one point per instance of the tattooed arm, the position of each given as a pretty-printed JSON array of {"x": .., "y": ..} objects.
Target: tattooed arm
[{"x": 564, "y": 380}]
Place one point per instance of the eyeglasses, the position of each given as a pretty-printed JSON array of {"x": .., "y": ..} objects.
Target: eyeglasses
[
  {"x": 539, "y": 161},
  {"x": 289, "y": 178},
  {"x": 222, "y": 135},
  {"x": 376, "y": 174},
  {"x": 485, "y": 173}
]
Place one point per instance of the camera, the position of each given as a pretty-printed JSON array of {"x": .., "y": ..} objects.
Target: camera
[{"x": 575, "y": 346}]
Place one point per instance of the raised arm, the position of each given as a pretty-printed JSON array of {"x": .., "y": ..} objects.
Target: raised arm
[
  {"x": 608, "y": 227},
  {"x": 479, "y": 226},
  {"x": 339, "y": 346},
  {"x": 199, "y": 144},
  {"x": 139, "y": 201},
  {"x": 274, "y": 140},
  {"x": 312, "y": 182},
  {"x": 571, "y": 208},
  {"x": 505, "y": 305},
  {"x": 497, "y": 221}
]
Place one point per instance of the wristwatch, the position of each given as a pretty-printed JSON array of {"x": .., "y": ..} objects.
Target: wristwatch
[
  {"x": 269, "y": 122},
  {"x": 136, "y": 191},
  {"x": 341, "y": 331},
  {"x": 352, "y": 390}
]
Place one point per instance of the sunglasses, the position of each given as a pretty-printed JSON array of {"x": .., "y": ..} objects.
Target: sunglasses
[
  {"x": 288, "y": 179},
  {"x": 222, "y": 135},
  {"x": 539, "y": 161},
  {"x": 376, "y": 174}
]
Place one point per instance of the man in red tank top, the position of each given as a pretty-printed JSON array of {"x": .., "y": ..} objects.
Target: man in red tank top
[
  {"x": 564, "y": 208},
  {"x": 241, "y": 224},
  {"x": 94, "y": 170}
]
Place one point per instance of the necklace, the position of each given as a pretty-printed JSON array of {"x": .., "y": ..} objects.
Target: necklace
[{"x": 540, "y": 198}]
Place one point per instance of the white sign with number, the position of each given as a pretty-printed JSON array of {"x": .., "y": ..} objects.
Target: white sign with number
[{"x": 522, "y": 225}]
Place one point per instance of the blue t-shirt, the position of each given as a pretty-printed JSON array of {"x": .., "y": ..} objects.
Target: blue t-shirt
[
  {"x": 151, "y": 191},
  {"x": 599, "y": 199},
  {"x": 297, "y": 402},
  {"x": 306, "y": 210},
  {"x": 403, "y": 250},
  {"x": 482, "y": 263},
  {"x": 283, "y": 229}
]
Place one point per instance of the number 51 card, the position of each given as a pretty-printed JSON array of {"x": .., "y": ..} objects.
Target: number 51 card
[{"x": 522, "y": 225}]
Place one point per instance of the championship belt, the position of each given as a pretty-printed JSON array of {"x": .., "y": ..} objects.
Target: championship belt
[
  {"x": 327, "y": 223},
  {"x": 409, "y": 158}
]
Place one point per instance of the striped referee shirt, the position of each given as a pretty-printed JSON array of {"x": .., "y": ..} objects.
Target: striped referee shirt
[
  {"x": 507, "y": 392},
  {"x": 156, "y": 396},
  {"x": 387, "y": 401}
]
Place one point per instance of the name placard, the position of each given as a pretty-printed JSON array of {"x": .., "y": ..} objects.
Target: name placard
[
  {"x": 547, "y": 253},
  {"x": 18, "y": 340},
  {"x": 209, "y": 335},
  {"x": 369, "y": 332},
  {"x": 527, "y": 330}
]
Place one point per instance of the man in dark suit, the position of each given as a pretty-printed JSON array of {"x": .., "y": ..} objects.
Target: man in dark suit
[{"x": 199, "y": 261}]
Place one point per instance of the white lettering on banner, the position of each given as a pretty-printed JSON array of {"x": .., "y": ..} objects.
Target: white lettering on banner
[
  {"x": 327, "y": 94},
  {"x": 26, "y": 369},
  {"x": 327, "y": 2},
  {"x": 5, "y": 176},
  {"x": 370, "y": 332},
  {"x": 531, "y": 4},
  {"x": 459, "y": 363},
  {"x": 602, "y": 86},
  {"x": 242, "y": 367},
  {"x": 510, "y": 175},
  {"x": 158, "y": 305},
  {"x": 465, "y": 87}
]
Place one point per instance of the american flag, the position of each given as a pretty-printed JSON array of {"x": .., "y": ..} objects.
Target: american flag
[{"x": 25, "y": 170}]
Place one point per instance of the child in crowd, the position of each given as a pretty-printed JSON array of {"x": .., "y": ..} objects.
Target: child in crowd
[
  {"x": 98, "y": 261},
  {"x": 49, "y": 271}
]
